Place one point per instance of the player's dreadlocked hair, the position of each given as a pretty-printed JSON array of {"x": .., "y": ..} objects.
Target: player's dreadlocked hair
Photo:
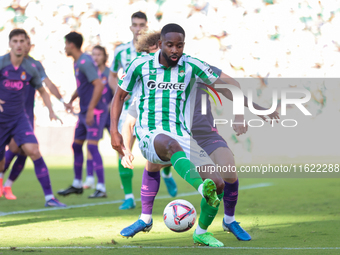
[
  {"x": 147, "y": 40},
  {"x": 172, "y": 27}
]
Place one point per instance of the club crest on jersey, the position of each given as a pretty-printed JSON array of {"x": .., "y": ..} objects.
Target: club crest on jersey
[
  {"x": 153, "y": 71},
  {"x": 104, "y": 80},
  {"x": 165, "y": 85},
  {"x": 181, "y": 73},
  {"x": 23, "y": 76}
]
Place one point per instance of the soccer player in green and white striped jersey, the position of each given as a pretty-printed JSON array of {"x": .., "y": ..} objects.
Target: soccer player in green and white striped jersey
[
  {"x": 123, "y": 56},
  {"x": 164, "y": 82}
]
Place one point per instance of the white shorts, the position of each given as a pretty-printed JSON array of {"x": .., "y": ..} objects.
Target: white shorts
[{"x": 193, "y": 151}]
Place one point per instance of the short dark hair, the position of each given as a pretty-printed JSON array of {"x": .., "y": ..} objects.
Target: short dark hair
[
  {"x": 17, "y": 31},
  {"x": 75, "y": 38},
  {"x": 101, "y": 48},
  {"x": 140, "y": 15},
  {"x": 172, "y": 27}
]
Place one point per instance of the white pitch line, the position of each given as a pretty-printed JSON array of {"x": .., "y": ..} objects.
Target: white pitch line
[
  {"x": 252, "y": 186},
  {"x": 178, "y": 247}
]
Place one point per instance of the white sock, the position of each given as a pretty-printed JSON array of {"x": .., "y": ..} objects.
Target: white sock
[
  {"x": 8, "y": 183},
  {"x": 89, "y": 180},
  {"x": 127, "y": 196},
  {"x": 101, "y": 187},
  {"x": 166, "y": 176},
  {"x": 1, "y": 175},
  {"x": 200, "y": 189},
  {"x": 77, "y": 183},
  {"x": 146, "y": 218},
  {"x": 229, "y": 219},
  {"x": 199, "y": 230},
  {"x": 49, "y": 197}
]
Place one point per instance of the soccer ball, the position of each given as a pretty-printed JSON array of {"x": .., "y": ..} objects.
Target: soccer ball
[{"x": 179, "y": 215}]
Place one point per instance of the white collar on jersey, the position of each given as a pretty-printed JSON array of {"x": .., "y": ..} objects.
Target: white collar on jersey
[
  {"x": 132, "y": 46},
  {"x": 156, "y": 63}
]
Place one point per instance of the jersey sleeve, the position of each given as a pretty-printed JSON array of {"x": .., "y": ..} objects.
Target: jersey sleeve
[
  {"x": 41, "y": 70},
  {"x": 216, "y": 70},
  {"x": 2, "y": 62},
  {"x": 203, "y": 71},
  {"x": 116, "y": 63},
  {"x": 88, "y": 68},
  {"x": 133, "y": 108},
  {"x": 36, "y": 79},
  {"x": 129, "y": 80}
]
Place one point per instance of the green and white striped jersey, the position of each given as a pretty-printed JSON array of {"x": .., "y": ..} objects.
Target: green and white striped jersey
[
  {"x": 123, "y": 56},
  {"x": 163, "y": 93}
]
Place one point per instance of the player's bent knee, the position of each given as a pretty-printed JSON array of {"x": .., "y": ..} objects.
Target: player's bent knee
[
  {"x": 151, "y": 167},
  {"x": 15, "y": 149},
  {"x": 230, "y": 180},
  {"x": 76, "y": 147},
  {"x": 33, "y": 152},
  {"x": 173, "y": 146},
  {"x": 93, "y": 149}
]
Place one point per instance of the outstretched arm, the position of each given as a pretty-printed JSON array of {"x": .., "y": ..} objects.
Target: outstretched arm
[
  {"x": 52, "y": 88},
  {"x": 226, "y": 79},
  {"x": 46, "y": 98}
]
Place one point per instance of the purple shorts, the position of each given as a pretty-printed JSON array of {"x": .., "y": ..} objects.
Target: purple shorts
[
  {"x": 20, "y": 129},
  {"x": 94, "y": 132},
  {"x": 31, "y": 119},
  {"x": 210, "y": 142}
]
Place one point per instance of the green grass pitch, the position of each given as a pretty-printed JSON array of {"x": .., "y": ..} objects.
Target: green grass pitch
[{"x": 291, "y": 213}]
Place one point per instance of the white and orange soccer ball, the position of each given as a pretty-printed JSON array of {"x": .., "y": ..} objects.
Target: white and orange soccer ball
[{"x": 179, "y": 215}]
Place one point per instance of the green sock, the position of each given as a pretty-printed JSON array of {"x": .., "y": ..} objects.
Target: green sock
[
  {"x": 126, "y": 175},
  {"x": 186, "y": 169},
  {"x": 208, "y": 213},
  {"x": 166, "y": 170}
]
